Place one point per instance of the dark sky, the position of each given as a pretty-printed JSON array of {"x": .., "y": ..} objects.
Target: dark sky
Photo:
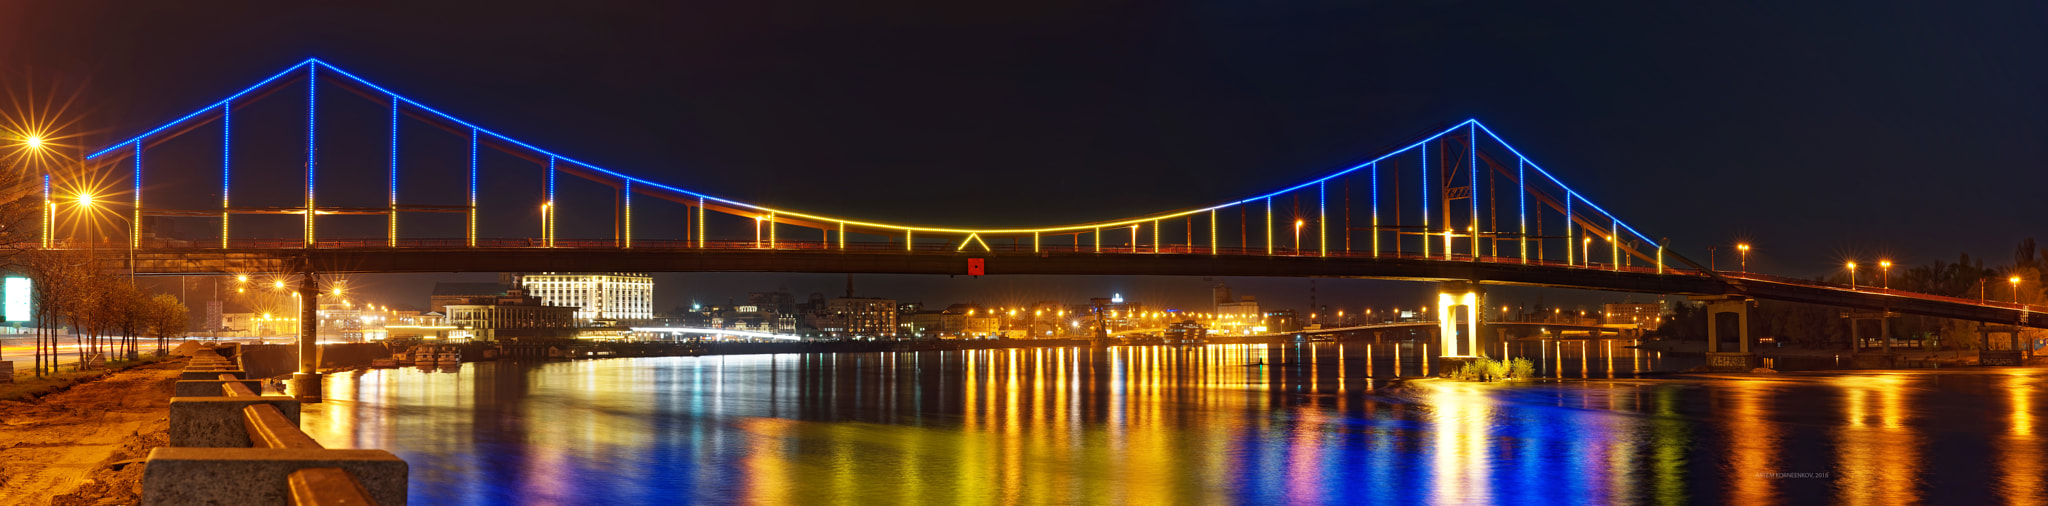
[{"x": 1819, "y": 133}]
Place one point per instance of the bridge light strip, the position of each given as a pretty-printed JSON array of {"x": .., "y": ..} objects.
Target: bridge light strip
[
  {"x": 626, "y": 232},
  {"x": 393, "y": 231},
  {"x": 1269, "y": 225},
  {"x": 1614, "y": 244},
  {"x": 135, "y": 227},
  {"x": 1155, "y": 235},
  {"x": 49, "y": 212},
  {"x": 472, "y": 187},
  {"x": 1472, "y": 149},
  {"x": 1323, "y": 218},
  {"x": 705, "y": 198},
  {"x": 1425, "y": 199},
  {"x": 312, "y": 111},
  {"x": 842, "y": 238},
  {"x": 548, "y": 228},
  {"x": 700, "y": 222},
  {"x": 1522, "y": 207},
  {"x": 1376, "y": 210},
  {"x": 226, "y": 111},
  {"x": 1212, "y": 232},
  {"x": 1568, "y": 238},
  {"x": 1098, "y": 239}
]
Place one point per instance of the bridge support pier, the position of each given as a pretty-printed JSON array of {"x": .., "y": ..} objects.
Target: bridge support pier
[
  {"x": 2011, "y": 356},
  {"x": 1741, "y": 360},
  {"x": 305, "y": 384},
  {"x": 1884, "y": 332}
]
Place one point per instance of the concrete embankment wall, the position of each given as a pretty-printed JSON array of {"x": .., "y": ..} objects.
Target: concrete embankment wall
[{"x": 271, "y": 360}]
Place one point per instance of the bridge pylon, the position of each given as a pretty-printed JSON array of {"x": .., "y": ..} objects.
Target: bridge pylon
[
  {"x": 1736, "y": 307},
  {"x": 1459, "y": 346},
  {"x": 305, "y": 384}
]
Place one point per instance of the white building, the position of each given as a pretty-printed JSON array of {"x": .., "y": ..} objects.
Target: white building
[{"x": 597, "y": 296}]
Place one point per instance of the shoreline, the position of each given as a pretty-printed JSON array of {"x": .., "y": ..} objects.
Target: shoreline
[{"x": 75, "y": 446}]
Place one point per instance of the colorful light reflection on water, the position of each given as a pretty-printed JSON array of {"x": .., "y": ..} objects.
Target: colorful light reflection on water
[{"x": 1156, "y": 425}]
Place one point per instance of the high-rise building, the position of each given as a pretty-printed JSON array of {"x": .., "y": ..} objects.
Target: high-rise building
[
  {"x": 864, "y": 317},
  {"x": 597, "y": 296}
]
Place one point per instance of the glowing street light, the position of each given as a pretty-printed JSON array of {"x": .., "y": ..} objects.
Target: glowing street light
[
  {"x": 1586, "y": 252},
  {"x": 1744, "y": 249},
  {"x": 1298, "y": 223},
  {"x": 2015, "y": 280},
  {"x": 1852, "y": 275},
  {"x": 34, "y": 142},
  {"x": 1885, "y": 267}
]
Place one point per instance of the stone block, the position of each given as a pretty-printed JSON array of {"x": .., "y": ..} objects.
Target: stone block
[
  {"x": 216, "y": 422},
  {"x": 210, "y": 387},
  {"x": 260, "y": 475},
  {"x": 208, "y": 374}
]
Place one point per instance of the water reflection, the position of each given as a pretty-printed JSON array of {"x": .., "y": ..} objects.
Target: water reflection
[{"x": 1311, "y": 423}]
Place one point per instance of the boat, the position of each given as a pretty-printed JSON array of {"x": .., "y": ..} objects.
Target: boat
[
  {"x": 449, "y": 355},
  {"x": 384, "y": 363}
]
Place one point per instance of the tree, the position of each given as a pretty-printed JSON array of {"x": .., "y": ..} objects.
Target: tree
[{"x": 167, "y": 316}]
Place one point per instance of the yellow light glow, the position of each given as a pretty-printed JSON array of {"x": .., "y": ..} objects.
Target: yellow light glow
[
  {"x": 243, "y": 278},
  {"x": 85, "y": 200},
  {"x": 277, "y": 284},
  {"x": 1884, "y": 263},
  {"x": 33, "y": 142},
  {"x": 1852, "y": 266},
  {"x": 1744, "y": 246}
]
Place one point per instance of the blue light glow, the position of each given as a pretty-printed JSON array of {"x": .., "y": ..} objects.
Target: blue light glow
[
  {"x": 312, "y": 145},
  {"x": 226, "y": 113},
  {"x": 201, "y": 110},
  {"x": 1472, "y": 149},
  {"x": 477, "y": 131},
  {"x": 1553, "y": 179},
  {"x": 1375, "y": 209},
  {"x": 135, "y": 227}
]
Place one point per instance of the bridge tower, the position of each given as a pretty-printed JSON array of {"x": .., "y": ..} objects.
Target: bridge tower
[
  {"x": 1728, "y": 311},
  {"x": 1460, "y": 333},
  {"x": 305, "y": 384}
]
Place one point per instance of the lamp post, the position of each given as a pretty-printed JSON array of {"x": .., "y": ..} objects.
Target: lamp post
[
  {"x": 1298, "y": 223},
  {"x": 87, "y": 202},
  {"x": 1852, "y": 275},
  {"x": 1884, "y": 269},
  {"x": 2015, "y": 281},
  {"x": 1586, "y": 252},
  {"x": 1744, "y": 250}
]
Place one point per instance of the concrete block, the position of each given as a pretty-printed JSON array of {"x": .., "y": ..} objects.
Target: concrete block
[
  {"x": 210, "y": 387},
  {"x": 261, "y": 475},
  {"x": 209, "y": 374},
  {"x": 216, "y": 422}
]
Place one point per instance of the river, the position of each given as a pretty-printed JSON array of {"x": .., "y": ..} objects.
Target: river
[{"x": 1252, "y": 424}]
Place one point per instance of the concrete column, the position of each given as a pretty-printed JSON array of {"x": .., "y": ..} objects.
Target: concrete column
[
  {"x": 1742, "y": 324},
  {"x": 1884, "y": 332},
  {"x": 1713, "y": 329},
  {"x": 1855, "y": 338},
  {"x": 305, "y": 384}
]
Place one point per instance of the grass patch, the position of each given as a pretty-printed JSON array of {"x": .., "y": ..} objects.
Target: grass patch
[
  {"x": 1488, "y": 369},
  {"x": 26, "y": 388}
]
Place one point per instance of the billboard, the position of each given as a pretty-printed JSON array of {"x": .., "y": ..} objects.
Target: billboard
[{"x": 17, "y": 295}]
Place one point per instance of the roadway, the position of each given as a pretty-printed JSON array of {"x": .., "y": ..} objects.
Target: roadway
[{"x": 872, "y": 259}]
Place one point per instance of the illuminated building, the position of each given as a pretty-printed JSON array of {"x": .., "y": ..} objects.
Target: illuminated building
[
  {"x": 512, "y": 316},
  {"x": 1645, "y": 316},
  {"x": 864, "y": 317},
  {"x": 598, "y": 296}
]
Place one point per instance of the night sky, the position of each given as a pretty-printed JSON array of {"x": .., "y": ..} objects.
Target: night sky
[{"x": 1819, "y": 133}]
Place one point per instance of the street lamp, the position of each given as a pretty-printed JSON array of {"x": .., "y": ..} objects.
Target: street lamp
[
  {"x": 1852, "y": 275},
  {"x": 1884, "y": 268},
  {"x": 86, "y": 202},
  {"x": 1586, "y": 252},
  {"x": 1298, "y": 223},
  {"x": 1744, "y": 250},
  {"x": 2015, "y": 280}
]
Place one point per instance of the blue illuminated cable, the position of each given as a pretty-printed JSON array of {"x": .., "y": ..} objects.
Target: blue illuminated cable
[{"x": 201, "y": 110}]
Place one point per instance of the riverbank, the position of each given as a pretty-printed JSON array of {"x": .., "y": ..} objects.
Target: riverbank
[
  {"x": 27, "y": 387},
  {"x": 72, "y": 447}
]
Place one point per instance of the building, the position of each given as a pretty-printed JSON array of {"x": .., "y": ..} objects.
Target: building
[
  {"x": 512, "y": 316},
  {"x": 454, "y": 293},
  {"x": 1645, "y": 316},
  {"x": 1240, "y": 316},
  {"x": 863, "y": 316},
  {"x": 613, "y": 296}
]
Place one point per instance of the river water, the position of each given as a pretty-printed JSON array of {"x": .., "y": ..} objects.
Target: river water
[{"x": 1256, "y": 424}]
